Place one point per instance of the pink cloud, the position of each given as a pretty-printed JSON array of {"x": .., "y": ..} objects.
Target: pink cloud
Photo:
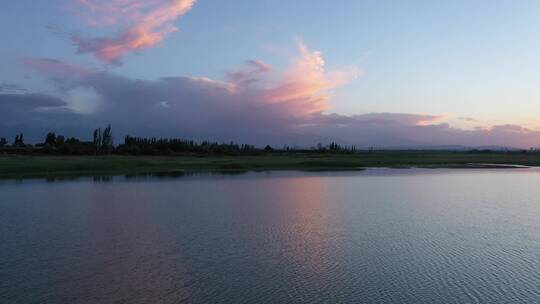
[
  {"x": 55, "y": 67},
  {"x": 301, "y": 89},
  {"x": 305, "y": 84},
  {"x": 148, "y": 23}
]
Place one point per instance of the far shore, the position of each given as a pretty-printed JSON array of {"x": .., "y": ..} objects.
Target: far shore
[{"x": 22, "y": 166}]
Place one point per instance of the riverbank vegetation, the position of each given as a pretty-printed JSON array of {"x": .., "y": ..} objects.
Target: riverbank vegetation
[
  {"x": 15, "y": 166},
  {"x": 70, "y": 156}
]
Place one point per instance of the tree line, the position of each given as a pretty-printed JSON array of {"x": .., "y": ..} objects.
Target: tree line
[
  {"x": 58, "y": 144},
  {"x": 140, "y": 145},
  {"x": 103, "y": 143}
]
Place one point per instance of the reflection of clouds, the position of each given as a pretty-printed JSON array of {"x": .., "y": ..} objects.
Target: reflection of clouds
[
  {"x": 132, "y": 260},
  {"x": 305, "y": 216}
]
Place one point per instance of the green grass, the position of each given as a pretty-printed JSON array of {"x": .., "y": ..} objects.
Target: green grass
[{"x": 16, "y": 166}]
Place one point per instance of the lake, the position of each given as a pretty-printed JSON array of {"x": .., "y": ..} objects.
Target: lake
[{"x": 377, "y": 236}]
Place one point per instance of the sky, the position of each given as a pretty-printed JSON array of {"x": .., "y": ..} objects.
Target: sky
[{"x": 369, "y": 73}]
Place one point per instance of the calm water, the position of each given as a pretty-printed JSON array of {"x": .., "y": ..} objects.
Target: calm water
[{"x": 382, "y": 236}]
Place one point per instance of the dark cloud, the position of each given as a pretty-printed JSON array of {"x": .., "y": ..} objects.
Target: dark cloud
[
  {"x": 11, "y": 88},
  {"x": 410, "y": 130},
  {"x": 247, "y": 107},
  {"x": 15, "y": 102},
  {"x": 253, "y": 104},
  {"x": 34, "y": 114}
]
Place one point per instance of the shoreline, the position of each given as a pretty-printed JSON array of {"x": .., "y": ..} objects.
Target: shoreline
[{"x": 43, "y": 166}]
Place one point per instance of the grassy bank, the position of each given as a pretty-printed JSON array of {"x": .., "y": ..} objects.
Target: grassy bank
[{"x": 15, "y": 166}]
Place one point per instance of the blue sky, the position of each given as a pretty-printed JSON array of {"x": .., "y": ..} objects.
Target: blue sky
[{"x": 474, "y": 59}]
